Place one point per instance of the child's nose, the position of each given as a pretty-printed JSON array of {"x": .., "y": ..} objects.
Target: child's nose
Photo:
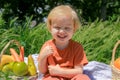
[{"x": 61, "y": 31}]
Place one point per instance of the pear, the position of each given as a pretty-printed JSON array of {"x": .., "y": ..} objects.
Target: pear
[{"x": 31, "y": 66}]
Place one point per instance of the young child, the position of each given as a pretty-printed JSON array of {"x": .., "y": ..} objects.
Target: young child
[{"x": 61, "y": 58}]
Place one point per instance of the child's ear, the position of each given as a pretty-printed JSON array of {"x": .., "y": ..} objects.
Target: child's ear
[
  {"x": 74, "y": 24},
  {"x": 49, "y": 24}
]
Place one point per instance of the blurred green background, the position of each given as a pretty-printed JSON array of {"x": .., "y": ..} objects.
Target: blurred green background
[{"x": 24, "y": 21}]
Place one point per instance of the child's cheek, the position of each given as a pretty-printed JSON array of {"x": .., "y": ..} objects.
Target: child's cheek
[{"x": 54, "y": 31}]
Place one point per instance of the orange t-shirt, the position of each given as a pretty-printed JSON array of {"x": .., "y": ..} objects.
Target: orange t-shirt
[{"x": 72, "y": 55}]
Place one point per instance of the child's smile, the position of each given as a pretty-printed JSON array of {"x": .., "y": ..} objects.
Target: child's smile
[
  {"x": 62, "y": 28},
  {"x": 62, "y": 37}
]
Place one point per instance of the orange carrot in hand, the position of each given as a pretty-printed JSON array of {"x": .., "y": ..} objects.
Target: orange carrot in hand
[
  {"x": 22, "y": 53},
  {"x": 15, "y": 55}
]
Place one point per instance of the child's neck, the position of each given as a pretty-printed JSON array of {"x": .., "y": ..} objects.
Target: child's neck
[{"x": 61, "y": 46}]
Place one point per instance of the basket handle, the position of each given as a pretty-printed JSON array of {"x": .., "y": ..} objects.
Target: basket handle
[
  {"x": 6, "y": 46},
  {"x": 114, "y": 50}
]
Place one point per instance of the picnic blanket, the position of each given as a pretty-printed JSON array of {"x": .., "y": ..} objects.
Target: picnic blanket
[{"x": 94, "y": 69}]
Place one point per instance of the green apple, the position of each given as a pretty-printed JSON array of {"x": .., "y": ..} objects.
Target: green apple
[{"x": 20, "y": 68}]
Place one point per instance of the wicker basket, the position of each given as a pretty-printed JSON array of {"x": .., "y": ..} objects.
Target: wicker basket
[
  {"x": 7, "y": 45},
  {"x": 115, "y": 71},
  {"x": 16, "y": 77}
]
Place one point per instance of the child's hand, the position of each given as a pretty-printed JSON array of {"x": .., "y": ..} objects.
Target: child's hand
[
  {"x": 47, "y": 51},
  {"x": 54, "y": 70}
]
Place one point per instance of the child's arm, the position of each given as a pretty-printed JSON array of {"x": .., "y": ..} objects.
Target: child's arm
[
  {"x": 42, "y": 59},
  {"x": 42, "y": 64},
  {"x": 65, "y": 72}
]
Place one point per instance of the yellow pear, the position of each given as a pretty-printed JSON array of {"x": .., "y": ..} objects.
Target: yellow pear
[{"x": 31, "y": 66}]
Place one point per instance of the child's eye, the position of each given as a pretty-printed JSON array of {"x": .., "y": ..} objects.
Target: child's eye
[
  {"x": 67, "y": 28},
  {"x": 57, "y": 28}
]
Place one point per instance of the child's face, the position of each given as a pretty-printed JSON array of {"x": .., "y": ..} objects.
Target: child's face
[{"x": 62, "y": 28}]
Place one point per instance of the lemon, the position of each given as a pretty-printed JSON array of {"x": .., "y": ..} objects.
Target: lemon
[
  {"x": 6, "y": 68},
  {"x": 1, "y": 67},
  {"x": 11, "y": 64},
  {"x": 20, "y": 68}
]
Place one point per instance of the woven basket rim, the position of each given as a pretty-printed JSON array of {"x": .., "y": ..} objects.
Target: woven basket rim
[
  {"x": 114, "y": 52},
  {"x": 113, "y": 67},
  {"x": 7, "y": 45},
  {"x": 115, "y": 70}
]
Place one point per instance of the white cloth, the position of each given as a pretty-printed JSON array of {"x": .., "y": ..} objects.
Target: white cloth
[
  {"x": 95, "y": 70},
  {"x": 98, "y": 71}
]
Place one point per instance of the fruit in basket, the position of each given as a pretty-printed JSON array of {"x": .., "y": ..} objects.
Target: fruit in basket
[
  {"x": 31, "y": 66},
  {"x": 20, "y": 57},
  {"x": 15, "y": 55},
  {"x": 117, "y": 63},
  {"x": 22, "y": 53},
  {"x": 1, "y": 67},
  {"x": 20, "y": 68},
  {"x": 6, "y": 59},
  {"x": 6, "y": 68},
  {"x": 11, "y": 64}
]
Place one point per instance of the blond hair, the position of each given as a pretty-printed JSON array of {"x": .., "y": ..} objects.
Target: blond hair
[{"x": 66, "y": 10}]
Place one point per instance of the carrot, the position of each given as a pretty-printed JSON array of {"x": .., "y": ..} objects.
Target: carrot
[
  {"x": 15, "y": 55},
  {"x": 22, "y": 53}
]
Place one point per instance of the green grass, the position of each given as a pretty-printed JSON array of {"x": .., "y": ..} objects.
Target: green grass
[
  {"x": 31, "y": 39},
  {"x": 98, "y": 38}
]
